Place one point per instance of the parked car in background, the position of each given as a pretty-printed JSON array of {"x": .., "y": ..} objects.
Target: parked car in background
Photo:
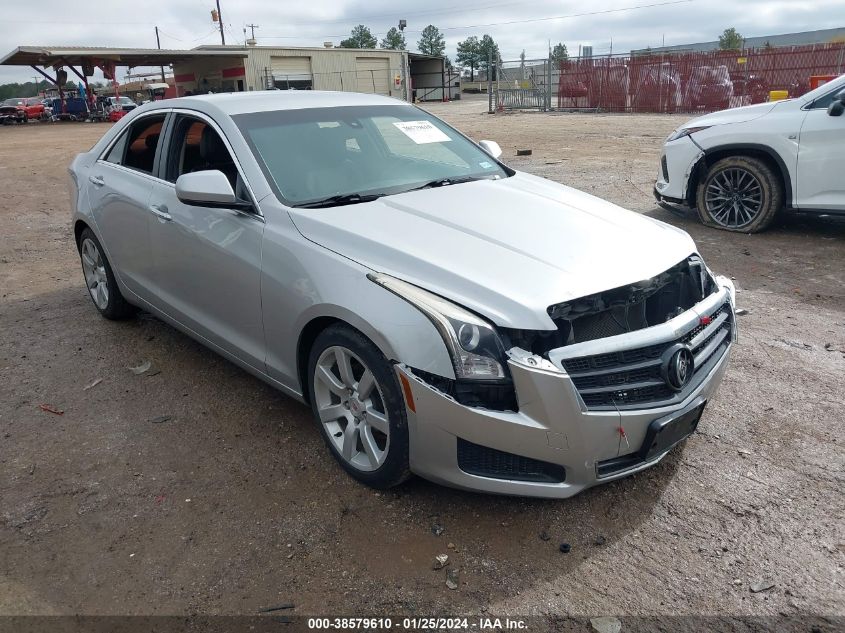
[
  {"x": 753, "y": 87},
  {"x": 709, "y": 87},
  {"x": 739, "y": 168},
  {"x": 658, "y": 89},
  {"x": 441, "y": 313},
  {"x": 121, "y": 104},
  {"x": 21, "y": 109}
]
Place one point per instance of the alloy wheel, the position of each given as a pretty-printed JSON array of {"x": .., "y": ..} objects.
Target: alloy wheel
[
  {"x": 93, "y": 266},
  {"x": 351, "y": 407},
  {"x": 734, "y": 197}
]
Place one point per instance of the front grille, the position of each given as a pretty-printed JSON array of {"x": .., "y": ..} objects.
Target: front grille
[
  {"x": 475, "y": 459},
  {"x": 631, "y": 379}
]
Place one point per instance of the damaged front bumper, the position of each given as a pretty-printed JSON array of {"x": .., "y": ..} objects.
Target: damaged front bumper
[
  {"x": 677, "y": 162},
  {"x": 556, "y": 444}
]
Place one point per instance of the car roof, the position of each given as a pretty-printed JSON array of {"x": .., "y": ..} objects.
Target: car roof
[{"x": 232, "y": 103}]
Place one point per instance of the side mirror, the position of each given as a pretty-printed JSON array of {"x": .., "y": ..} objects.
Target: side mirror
[
  {"x": 491, "y": 147},
  {"x": 837, "y": 108},
  {"x": 207, "y": 189}
]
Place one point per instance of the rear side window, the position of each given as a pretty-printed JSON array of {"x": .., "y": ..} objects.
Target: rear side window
[
  {"x": 117, "y": 150},
  {"x": 141, "y": 143}
]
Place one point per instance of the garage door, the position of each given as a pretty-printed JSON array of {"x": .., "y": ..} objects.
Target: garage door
[
  {"x": 373, "y": 75},
  {"x": 291, "y": 72}
]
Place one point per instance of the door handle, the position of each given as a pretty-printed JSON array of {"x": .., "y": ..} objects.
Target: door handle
[
  {"x": 97, "y": 180},
  {"x": 160, "y": 211}
]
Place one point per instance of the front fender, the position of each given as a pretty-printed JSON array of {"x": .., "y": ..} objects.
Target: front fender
[
  {"x": 398, "y": 329},
  {"x": 302, "y": 281}
]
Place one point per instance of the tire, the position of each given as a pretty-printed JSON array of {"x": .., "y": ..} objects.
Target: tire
[
  {"x": 740, "y": 194},
  {"x": 366, "y": 430},
  {"x": 99, "y": 279}
]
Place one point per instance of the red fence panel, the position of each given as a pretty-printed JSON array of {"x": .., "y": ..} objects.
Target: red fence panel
[{"x": 696, "y": 81}]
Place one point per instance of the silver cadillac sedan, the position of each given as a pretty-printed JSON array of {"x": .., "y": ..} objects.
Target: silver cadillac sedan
[{"x": 441, "y": 313}]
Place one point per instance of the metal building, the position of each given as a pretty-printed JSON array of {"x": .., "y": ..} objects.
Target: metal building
[{"x": 400, "y": 74}]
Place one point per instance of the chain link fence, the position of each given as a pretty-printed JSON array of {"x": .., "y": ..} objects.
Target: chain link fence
[{"x": 685, "y": 82}]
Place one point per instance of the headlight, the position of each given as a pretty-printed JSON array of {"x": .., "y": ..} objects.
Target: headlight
[
  {"x": 475, "y": 348},
  {"x": 684, "y": 131},
  {"x": 727, "y": 283}
]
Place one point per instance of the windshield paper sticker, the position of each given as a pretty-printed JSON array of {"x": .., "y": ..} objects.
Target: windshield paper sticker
[{"x": 421, "y": 132}]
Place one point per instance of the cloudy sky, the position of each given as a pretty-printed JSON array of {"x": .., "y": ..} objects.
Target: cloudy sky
[{"x": 514, "y": 25}]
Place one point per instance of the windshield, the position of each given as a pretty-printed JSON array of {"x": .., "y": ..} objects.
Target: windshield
[
  {"x": 9, "y": 102},
  {"x": 310, "y": 155}
]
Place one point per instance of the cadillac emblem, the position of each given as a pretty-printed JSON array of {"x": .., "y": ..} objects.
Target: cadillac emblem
[{"x": 677, "y": 367}]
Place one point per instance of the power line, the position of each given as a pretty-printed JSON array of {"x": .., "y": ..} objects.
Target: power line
[
  {"x": 391, "y": 16},
  {"x": 545, "y": 19},
  {"x": 191, "y": 41}
]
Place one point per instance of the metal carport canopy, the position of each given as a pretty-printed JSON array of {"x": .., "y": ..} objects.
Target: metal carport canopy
[{"x": 47, "y": 56}]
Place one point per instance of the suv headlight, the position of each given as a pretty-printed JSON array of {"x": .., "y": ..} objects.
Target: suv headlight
[
  {"x": 684, "y": 131},
  {"x": 476, "y": 350}
]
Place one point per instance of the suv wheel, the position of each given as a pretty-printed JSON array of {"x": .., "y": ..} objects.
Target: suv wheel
[
  {"x": 357, "y": 402},
  {"x": 739, "y": 194}
]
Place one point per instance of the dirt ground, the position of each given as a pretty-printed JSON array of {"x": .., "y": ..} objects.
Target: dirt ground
[{"x": 234, "y": 503}]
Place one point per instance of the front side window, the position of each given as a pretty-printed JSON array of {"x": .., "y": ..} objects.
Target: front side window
[
  {"x": 822, "y": 103},
  {"x": 196, "y": 146},
  {"x": 824, "y": 95},
  {"x": 313, "y": 154}
]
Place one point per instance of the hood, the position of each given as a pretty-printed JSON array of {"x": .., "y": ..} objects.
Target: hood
[
  {"x": 735, "y": 115},
  {"x": 506, "y": 249}
]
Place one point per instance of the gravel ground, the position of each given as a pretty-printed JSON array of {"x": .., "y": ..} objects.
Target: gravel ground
[{"x": 234, "y": 503}]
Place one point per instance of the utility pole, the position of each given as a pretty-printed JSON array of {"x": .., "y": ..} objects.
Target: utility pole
[
  {"x": 220, "y": 22},
  {"x": 35, "y": 77},
  {"x": 158, "y": 44},
  {"x": 252, "y": 28}
]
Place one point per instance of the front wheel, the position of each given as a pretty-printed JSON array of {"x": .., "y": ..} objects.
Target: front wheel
[
  {"x": 741, "y": 194},
  {"x": 356, "y": 399}
]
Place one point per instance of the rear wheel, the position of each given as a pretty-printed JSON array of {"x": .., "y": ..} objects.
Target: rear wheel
[
  {"x": 99, "y": 279},
  {"x": 357, "y": 402},
  {"x": 740, "y": 194}
]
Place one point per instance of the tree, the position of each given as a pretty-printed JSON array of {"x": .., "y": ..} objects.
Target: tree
[
  {"x": 486, "y": 45},
  {"x": 469, "y": 54},
  {"x": 361, "y": 37},
  {"x": 730, "y": 40},
  {"x": 394, "y": 40},
  {"x": 431, "y": 41},
  {"x": 559, "y": 53}
]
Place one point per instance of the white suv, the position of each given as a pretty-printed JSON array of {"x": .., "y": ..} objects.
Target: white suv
[{"x": 740, "y": 167}]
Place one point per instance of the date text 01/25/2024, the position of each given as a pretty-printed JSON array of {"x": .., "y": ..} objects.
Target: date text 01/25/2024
[{"x": 421, "y": 623}]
